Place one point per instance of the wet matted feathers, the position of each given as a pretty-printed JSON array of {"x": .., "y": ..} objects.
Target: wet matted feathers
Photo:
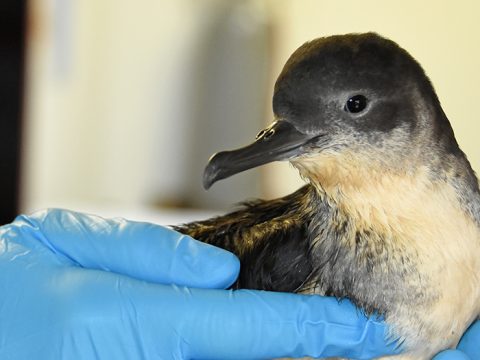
[{"x": 390, "y": 215}]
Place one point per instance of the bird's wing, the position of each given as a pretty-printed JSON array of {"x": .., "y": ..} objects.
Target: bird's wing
[{"x": 269, "y": 236}]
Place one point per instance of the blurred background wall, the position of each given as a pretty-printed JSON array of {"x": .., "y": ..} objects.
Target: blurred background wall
[{"x": 125, "y": 101}]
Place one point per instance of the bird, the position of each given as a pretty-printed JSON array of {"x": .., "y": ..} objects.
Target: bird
[{"x": 389, "y": 216}]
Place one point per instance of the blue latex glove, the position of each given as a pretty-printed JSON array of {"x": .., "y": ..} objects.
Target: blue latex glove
[
  {"x": 75, "y": 286},
  {"x": 468, "y": 348}
]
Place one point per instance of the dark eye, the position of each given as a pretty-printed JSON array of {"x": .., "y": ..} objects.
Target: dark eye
[{"x": 356, "y": 104}]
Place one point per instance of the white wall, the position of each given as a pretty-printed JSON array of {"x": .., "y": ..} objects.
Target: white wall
[{"x": 126, "y": 100}]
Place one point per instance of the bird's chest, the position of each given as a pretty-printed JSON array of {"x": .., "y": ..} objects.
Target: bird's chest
[
  {"x": 383, "y": 247},
  {"x": 358, "y": 260}
]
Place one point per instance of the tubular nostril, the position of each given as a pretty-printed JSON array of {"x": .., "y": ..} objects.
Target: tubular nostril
[
  {"x": 268, "y": 134},
  {"x": 260, "y": 134}
]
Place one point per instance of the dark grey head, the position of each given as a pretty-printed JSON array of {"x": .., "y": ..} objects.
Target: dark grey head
[{"x": 356, "y": 94}]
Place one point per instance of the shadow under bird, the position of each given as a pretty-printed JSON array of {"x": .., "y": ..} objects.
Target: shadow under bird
[{"x": 390, "y": 215}]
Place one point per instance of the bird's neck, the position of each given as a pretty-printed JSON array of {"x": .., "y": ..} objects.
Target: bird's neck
[
  {"x": 341, "y": 176},
  {"x": 375, "y": 193}
]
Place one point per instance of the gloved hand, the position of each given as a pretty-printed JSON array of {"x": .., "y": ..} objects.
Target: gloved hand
[
  {"x": 79, "y": 286},
  {"x": 468, "y": 348}
]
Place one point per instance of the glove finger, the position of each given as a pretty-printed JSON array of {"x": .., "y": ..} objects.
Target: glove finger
[
  {"x": 245, "y": 324},
  {"x": 141, "y": 250},
  {"x": 258, "y": 324},
  {"x": 470, "y": 342},
  {"x": 451, "y": 355}
]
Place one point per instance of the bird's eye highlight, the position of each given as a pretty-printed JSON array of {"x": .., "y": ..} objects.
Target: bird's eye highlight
[{"x": 356, "y": 104}]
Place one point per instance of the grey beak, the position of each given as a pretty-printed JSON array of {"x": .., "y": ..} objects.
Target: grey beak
[{"x": 280, "y": 141}]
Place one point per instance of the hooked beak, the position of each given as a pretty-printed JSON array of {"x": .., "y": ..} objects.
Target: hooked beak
[{"x": 280, "y": 141}]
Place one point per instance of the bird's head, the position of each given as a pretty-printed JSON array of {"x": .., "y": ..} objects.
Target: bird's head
[{"x": 346, "y": 102}]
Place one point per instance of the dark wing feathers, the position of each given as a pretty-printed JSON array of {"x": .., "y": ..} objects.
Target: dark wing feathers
[{"x": 269, "y": 236}]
